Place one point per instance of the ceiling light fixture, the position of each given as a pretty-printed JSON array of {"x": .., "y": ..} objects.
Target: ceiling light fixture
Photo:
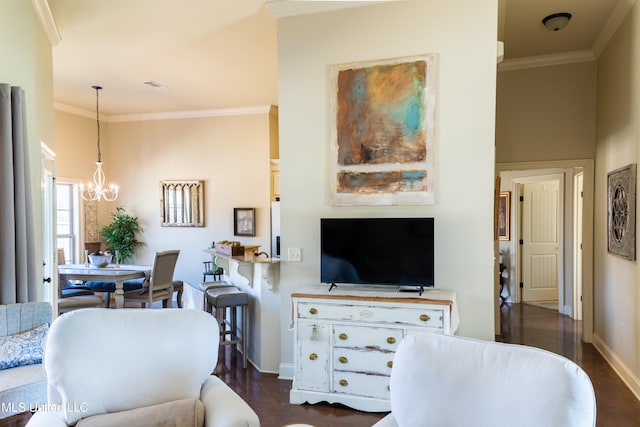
[
  {"x": 556, "y": 21},
  {"x": 95, "y": 191}
]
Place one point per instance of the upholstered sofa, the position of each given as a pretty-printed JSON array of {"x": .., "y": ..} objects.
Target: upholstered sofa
[
  {"x": 137, "y": 367},
  {"x": 23, "y": 329},
  {"x": 440, "y": 380}
]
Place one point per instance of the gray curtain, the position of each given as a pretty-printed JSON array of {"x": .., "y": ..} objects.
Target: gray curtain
[{"x": 18, "y": 266}]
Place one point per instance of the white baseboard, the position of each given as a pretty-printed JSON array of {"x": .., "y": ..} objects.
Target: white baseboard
[
  {"x": 625, "y": 374},
  {"x": 286, "y": 371}
]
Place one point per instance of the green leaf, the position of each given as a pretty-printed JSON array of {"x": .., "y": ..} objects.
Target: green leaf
[{"x": 120, "y": 235}]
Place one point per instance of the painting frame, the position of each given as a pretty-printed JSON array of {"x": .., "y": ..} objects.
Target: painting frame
[
  {"x": 182, "y": 203},
  {"x": 244, "y": 222},
  {"x": 504, "y": 216},
  {"x": 382, "y": 145},
  {"x": 621, "y": 212}
]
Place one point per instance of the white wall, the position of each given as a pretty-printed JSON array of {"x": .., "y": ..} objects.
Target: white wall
[
  {"x": 616, "y": 293},
  {"x": 230, "y": 153},
  {"x": 26, "y": 62},
  {"x": 546, "y": 113},
  {"x": 307, "y": 46}
]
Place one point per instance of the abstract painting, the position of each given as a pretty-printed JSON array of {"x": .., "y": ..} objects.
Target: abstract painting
[
  {"x": 621, "y": 212},
  {"x": 382, "y": 132}
]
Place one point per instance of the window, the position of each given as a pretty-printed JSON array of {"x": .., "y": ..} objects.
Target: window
[{"x": 68, "y": 221}]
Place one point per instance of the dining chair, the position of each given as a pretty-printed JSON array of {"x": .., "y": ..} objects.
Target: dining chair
[
  {"x": 67, "y": 288},
  {"x": 160, "y": 284},
  {"x": 72, "y": 297}
]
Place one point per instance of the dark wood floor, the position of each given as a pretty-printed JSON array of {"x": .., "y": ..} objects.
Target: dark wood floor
[{"x": 521, "y": 324}]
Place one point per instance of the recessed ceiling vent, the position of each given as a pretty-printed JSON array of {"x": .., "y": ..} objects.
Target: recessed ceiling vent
[{"x": 155, "y": 85}]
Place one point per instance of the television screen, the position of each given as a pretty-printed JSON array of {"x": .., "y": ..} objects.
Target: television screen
[{"x": 377, "y": 251}]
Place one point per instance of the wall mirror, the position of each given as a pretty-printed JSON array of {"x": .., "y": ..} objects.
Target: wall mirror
[{"x": 182, "y": 203}]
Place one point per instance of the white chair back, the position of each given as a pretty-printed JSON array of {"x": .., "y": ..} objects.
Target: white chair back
[
  {"x": 99, "y": 361},
  {"x": 444, "y": 380}
]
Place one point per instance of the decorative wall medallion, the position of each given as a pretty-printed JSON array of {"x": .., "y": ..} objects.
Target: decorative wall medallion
[{"x": 621, "y": 214}]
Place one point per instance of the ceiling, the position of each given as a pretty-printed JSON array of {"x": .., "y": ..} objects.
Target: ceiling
[{"x": 222, "y": 54}]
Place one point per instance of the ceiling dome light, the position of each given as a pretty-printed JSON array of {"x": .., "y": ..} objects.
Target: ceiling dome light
[{"x": 556, "y": 21}]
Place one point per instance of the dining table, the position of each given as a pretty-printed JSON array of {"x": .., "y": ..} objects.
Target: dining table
[{"x": 111, "y": 273}]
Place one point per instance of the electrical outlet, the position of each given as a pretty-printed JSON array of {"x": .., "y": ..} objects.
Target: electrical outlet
[{"x": 295, "y": 254}]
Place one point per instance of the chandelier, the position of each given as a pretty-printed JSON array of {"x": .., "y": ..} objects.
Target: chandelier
[{"x": 95, "y": 191}]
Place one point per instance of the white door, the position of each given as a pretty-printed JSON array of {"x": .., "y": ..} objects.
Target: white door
[{"x": 540, "y": 235}]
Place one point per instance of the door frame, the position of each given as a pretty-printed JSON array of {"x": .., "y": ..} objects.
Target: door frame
[
  {"x": 588, "y": 169},
  {"x": 47, "y": 171}
]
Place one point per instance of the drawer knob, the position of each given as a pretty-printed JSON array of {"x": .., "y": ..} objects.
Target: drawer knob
[
  {"x": 390, "y": 364},
  {"x": 343, "y": 336},
  {"x": 391, "y": 340},
  {"x": 344, "y": 383},
  {"x": 313, "y": 356},
  {"x": 389, "y": 388},
  {"x": 424, "y": 317},
  {"x": 343, "y": 359},
  {"x": 313, "y": 310}
]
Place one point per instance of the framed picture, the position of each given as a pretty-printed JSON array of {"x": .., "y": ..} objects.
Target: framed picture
[
  {"x": 504, "y": 215},
  {"x": 621, "y": 212},
  {"x": 382, "y": 136},
  {"x": 244, "y": 221}
]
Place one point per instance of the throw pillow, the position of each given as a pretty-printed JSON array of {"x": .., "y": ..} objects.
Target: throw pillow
[
  {"x": 178, "y": 413},
  {"x": 24, "y": 348}
]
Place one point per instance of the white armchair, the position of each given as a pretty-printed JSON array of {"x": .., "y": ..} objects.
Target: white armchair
[
  {"x": 440, "y": 380},
  {"x": 137, "y": 366}
]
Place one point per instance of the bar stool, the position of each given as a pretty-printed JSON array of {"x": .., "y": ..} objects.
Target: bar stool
[{"x": 222, "y": 298}]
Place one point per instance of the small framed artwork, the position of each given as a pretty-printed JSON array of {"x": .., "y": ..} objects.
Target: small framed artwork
[
  {"x": 504, "y": 216},
  {"x": 244, "y": 221},
  {"x": 621, "y": 212}
]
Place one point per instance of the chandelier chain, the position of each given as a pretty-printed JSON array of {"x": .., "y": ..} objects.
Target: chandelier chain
[{"x": 97, "y": 88}]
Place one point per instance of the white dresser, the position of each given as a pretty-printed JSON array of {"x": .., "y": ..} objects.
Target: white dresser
[{"x": 345, "y": 340}]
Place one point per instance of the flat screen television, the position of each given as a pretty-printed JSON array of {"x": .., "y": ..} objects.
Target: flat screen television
[{"x": 377, "y": 251}]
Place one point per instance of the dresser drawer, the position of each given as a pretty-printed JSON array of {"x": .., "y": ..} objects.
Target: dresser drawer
[
  {"x": 376, "y": 386},
  {"x": 362, "y": 361},
  {"x": 366, "y": 337},
  {"x": 426, "y": 315},
  {"x": 312, "y": 354}
]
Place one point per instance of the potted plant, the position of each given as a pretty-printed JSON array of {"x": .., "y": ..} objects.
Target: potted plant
[{"x": 120, "y": 235}]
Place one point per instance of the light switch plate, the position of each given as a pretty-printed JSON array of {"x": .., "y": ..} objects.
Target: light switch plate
[{"x": 295, "y": 255}]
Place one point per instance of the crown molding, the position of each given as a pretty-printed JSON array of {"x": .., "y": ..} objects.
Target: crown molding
[
  {"x": 613, "y": 23},
  {"x": 75, "y": 110},
  {"x": 140, "y": 117},
  {"x": 284, "y": 8},
  {"x": 547, "y": 60},
  {"x": 43, "y": 11}
]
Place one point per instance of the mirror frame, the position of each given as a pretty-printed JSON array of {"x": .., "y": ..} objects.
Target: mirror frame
[{"x": 182, "y": 203}]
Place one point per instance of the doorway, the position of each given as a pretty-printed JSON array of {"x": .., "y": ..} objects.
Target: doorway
[{"x": 574, "y": 234}]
